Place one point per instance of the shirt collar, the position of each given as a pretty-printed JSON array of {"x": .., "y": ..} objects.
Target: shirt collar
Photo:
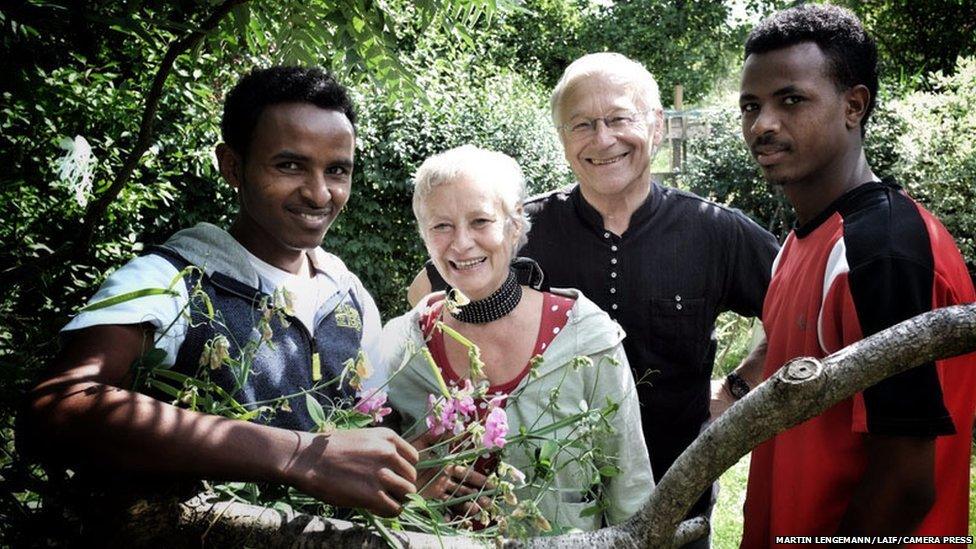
[
  {"x": 841, "y": 202},
  {"x": 594, "y": 219}
]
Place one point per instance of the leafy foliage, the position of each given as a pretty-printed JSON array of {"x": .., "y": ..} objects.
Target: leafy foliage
[
  {"x": 550, "y": 34},
  {"x": 720, "y": 168},
  {"x": 916, "y": 38},
  {"x": 935, "y": 151}
]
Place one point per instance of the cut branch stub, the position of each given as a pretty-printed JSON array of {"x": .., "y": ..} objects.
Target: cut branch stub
[{"x": 801, "y": 370}]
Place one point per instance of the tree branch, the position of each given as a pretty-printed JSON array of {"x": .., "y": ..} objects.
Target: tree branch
[
  {"x": 801, "y": 389},
  {"x": 96, "y": 210}
]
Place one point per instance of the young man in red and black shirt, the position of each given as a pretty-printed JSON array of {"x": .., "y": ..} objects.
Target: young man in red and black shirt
[{"x": 894, "y": 459}]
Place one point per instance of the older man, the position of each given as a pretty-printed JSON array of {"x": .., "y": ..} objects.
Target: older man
[{"x": 662, "y": 262}]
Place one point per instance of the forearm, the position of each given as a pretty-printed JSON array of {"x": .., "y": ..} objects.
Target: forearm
[
  {"x": 750, "y": 370},
  {"x": 108, "y": 427},
  {"x": 896, "y": 490},
  {"x": 752, "y": 366},
  {"x": 81, "y": 412}
]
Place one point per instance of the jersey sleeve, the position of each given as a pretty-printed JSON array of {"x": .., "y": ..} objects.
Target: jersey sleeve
[
  {"x": 885, "y": 291},
  {"x": 163, "y": 311}
]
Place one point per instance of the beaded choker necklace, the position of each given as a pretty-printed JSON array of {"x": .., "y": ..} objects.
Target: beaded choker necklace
[{"x": 501, "y": 302}]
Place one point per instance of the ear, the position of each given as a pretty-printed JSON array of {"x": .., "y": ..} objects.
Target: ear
[
  {"x": 517, "y": 223},
  {"x": 231, "y": 165},
  {"x": 857, "y": 100},
  {"x": 658, "y": 135}
]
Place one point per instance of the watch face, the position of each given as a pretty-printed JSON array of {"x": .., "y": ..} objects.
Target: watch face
[{"x": 737, "y": 386}]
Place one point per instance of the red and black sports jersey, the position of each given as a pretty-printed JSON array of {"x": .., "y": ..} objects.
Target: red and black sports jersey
[{"x": 872, "y": 259}]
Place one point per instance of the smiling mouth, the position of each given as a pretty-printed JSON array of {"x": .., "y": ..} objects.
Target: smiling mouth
[
  {"x": 606, "y": 161},
  {"x": 467, "y": 263},
  {"x": 314, "y": 216}
]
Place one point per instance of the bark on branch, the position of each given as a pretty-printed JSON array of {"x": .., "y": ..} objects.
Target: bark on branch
[
  {"x": 801, "y": 389},
  {"x": 96, "y": 210}
]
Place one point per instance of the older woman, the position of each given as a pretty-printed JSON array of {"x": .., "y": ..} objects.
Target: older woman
[{"x": 468, "y": 206}]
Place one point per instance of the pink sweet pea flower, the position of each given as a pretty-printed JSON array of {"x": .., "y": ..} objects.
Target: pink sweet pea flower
[
  {"x": 496, "y": 427},
  {"x": 434, "y": 423},
  {"x": 464, "y": 402},
  {"x": 373, "y": 406}
]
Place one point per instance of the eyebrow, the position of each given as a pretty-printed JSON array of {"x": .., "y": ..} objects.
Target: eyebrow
[
  {"x": 342, "y": 163},
  {"x": 296, "y": 157},
  {"x": 289, "y": 155},
  {"x": 785, "y": 90},
  {"x": 608, "y": 112}
]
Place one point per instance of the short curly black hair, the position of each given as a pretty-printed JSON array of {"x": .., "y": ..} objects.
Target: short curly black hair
[
  {"x": 852, "y": 53},
  {"x": 262, "y": 88}
]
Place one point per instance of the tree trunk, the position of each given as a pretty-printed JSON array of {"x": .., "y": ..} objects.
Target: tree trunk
[{"x": 801, "y": 389}]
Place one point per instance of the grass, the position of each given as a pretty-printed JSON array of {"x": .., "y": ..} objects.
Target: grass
[{"x": 727, "y": 516}]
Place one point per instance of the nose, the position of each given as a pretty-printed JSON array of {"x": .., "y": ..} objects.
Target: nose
[
  {"x": 602, "y": 134},
  {"x": 462, "y": 240},
  {"x": 316, "y": 191},
  {"x": 766, "y": 121}
]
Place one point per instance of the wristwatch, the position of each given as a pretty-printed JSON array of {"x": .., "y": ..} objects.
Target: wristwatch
[{"x": 736, "y": 385}]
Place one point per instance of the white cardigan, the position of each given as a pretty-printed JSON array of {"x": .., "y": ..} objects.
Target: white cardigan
[{"x": 589, "y": 332}]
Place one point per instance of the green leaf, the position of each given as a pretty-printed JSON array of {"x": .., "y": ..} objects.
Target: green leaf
[
  {"x": 151, "y": 359},
  {"x": 315, "y": 410},
  {"x": 548, "y": 451},
  {"x": 591, "y": 511},
  {"x": 609, "y": 471},
  {"x": 165, "y": 388},
  {"x": 128, "y": 296}
]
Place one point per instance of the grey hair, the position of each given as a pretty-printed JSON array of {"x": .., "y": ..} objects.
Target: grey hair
[
  {"x": 612, "y": 64},
  {"x": 448, "y": 166}
]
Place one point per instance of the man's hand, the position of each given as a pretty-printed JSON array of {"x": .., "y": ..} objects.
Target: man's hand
[
  {"x": 455, "y": 481},
  {"x": 721, "y": 399},
  {"x": 418, "y": 288},
  {"x": 368, "y": 468},
  {"x": 750, "y": 369}
]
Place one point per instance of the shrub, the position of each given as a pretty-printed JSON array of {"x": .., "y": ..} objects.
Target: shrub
[
  {"x": 720, "y": 168},
  {"x": 935, "y": 155}
]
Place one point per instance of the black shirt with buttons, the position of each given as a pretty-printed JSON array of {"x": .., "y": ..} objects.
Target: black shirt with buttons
[{"x": 681, "y": 262}]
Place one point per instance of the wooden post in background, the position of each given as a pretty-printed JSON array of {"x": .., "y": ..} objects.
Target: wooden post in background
[{"x": 676, "y": 131}]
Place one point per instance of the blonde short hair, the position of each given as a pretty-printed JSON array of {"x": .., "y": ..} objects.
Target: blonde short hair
[
  {"x": 450, "y": 165},
  {"x": 611, "y": 64}
]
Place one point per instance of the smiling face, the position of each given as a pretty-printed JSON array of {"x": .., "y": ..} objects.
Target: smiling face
[
  {"x": 294, "y": 182},
  {"x": 799, "y": 126},
  {"x": 468, "y": 235},
  {"x": 611, "y": 163}
]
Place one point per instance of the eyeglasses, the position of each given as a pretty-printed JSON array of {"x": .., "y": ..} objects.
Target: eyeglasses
[{"x": 616, "y": 123}]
